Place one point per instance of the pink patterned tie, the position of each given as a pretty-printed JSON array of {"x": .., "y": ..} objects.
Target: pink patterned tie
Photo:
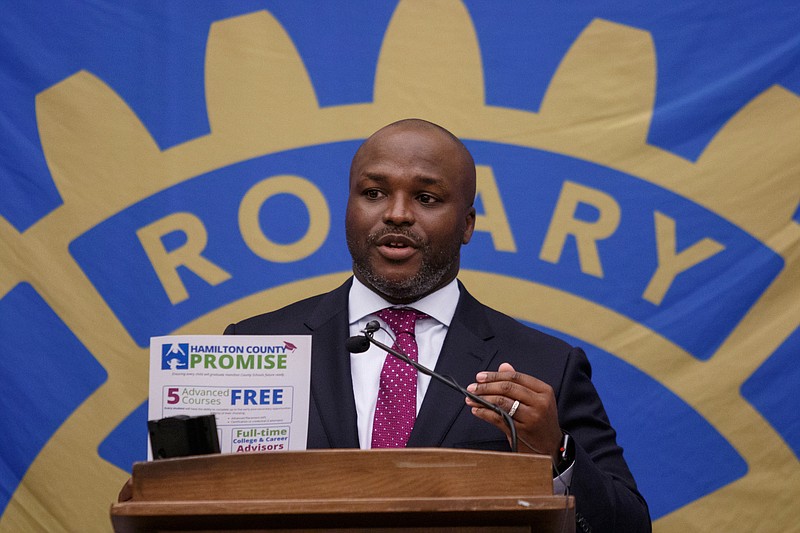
[{"x": 396, "y": 410}]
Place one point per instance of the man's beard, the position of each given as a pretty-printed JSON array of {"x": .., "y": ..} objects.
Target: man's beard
[{"x": 434, "y": 269}]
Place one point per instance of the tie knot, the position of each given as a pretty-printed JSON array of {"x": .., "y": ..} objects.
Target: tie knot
[{"x": 401, "y": 320}]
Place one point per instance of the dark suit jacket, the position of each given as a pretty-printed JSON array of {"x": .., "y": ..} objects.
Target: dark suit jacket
[{"x": 479, "y": 338}]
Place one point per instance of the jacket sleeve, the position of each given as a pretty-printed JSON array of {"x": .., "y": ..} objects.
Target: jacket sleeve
[{"x": 605, "y": 492}]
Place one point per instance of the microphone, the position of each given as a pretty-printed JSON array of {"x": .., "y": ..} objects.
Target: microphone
[
  {"x": 357, "y": 344},
  {"x": 360, "y": 344}
]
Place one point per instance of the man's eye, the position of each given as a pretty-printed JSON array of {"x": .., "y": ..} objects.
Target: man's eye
[
  {"x": 426, "y": 199},
  {"x": 372, "y": 194}
]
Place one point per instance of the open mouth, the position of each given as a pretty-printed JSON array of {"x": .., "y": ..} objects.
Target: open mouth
[
  {"x": 396, "y": 247},
  {"x": 394, "y": 240}
]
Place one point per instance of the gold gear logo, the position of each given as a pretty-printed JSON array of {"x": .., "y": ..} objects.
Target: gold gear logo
[{"x": 429, "y": 66}]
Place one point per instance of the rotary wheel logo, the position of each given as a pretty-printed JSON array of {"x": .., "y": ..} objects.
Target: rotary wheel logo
[{"x": 261, "y": 103}]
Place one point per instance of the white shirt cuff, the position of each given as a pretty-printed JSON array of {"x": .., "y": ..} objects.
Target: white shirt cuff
[{"x": 562, "y": 482}]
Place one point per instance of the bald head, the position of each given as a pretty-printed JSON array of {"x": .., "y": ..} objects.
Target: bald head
[{"x": 451, "y": 147}]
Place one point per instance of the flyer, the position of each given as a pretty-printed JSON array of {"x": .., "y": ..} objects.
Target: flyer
[{"x": 257, "y": 387}]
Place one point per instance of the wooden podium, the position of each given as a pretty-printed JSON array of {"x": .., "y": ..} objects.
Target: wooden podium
[{"x": 418, "y": 489}]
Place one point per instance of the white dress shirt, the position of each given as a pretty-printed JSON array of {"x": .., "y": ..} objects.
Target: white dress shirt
[{"x": 365, "y": 368}]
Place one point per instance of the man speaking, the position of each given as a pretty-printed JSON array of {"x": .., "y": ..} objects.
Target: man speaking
[{"x": 409, "y": 211}]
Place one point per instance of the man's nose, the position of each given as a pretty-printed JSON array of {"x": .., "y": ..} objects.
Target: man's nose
[{"x": 399, "y": 211}]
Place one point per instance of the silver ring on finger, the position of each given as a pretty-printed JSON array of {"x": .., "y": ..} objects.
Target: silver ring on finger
[{"x": 513, "y": 409}]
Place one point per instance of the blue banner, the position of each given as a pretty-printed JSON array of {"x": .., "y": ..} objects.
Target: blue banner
[{"x": 171, "y": 167}]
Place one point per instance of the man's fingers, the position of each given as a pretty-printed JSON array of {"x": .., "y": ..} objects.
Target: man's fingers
[
  {"x": 503, "y": 402},
  {"x": 508, "y": 391},
  {"x": 507, "y": 376},
  {"x": 506, "y": 367}
]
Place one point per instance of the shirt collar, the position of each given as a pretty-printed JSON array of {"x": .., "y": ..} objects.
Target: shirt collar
[{"x": 440, "y": 304}]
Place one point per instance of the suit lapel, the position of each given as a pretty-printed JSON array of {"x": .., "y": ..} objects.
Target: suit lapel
[
  {"x": 465, "y": 352},
  {"x": 331, "y": 381}
]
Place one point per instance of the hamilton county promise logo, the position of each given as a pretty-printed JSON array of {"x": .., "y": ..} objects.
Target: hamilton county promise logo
[{"x": 175, "y": 356}]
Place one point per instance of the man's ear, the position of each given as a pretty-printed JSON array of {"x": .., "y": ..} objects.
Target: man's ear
[{"x": 470, "y": 226}]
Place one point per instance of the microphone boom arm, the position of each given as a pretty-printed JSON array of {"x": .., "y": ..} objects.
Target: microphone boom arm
[{"x": 450, "y": 382}]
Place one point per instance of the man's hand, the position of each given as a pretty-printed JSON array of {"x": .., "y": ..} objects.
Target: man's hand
[{"x": 536, "y": 416}]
